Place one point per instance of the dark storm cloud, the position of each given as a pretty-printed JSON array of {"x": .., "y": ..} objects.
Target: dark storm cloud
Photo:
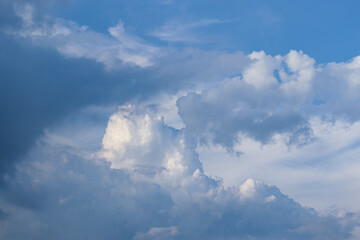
[
  {"x": 224, "y": 124},
  {"x": 38, "y": 87}
]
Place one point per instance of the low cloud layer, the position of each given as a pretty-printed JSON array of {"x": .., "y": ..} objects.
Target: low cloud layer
[{"x": 146, "y": 192}]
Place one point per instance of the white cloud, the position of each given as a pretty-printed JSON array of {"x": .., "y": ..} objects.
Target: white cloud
[
  {"x": 25, "y": 12},
  {"x": 177, "y": 31},
  {"x": 272, "y": 95},
  {"x": 157, "y": 233},
  {"x": 320, "y": 174},
  {"x": 261, "y": 72},
  {"x": 303, "y": 72},
  {"x": 249, "y": 188},
  {"x": 139, "y": 139},
  {"x": 288, "y": 120},
  {"x": 77, "y": 41}
]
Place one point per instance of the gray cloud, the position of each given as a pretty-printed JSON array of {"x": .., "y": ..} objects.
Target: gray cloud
[
  {"x": 273, "y": 95},
  {"x": 49, "y": 87},
  {"x": 74, "y": 197},
  {"x": 151, "y": 183},
  {"x": 41, "y": 86}
]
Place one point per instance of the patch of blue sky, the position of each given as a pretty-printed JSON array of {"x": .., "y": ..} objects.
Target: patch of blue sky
[
  {"x": 319, "y": 101},
  {"x": 327, "y": 31}
]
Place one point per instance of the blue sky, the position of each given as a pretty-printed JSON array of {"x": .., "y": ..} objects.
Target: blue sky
[
  {"x": 179, "y": 120},
  {"x": 325, "y": 31}
]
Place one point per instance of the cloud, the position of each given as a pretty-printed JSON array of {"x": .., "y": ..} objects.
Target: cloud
[
  {"x": 76, "y": 41},
  {"x": 176, "y": 31},
  {"x": 272, "y": 95},
  {"x": 9, "y": 9},
  {"x": 150, "y": 198},
  {"x": 62, "y": 71},
  {"x": 145, "y": 180},
  {"x": 320, "y": 174},
  {"x": 285, "y": 119},
  {"x": 50, "y": 87},
  {"x": 158, "y": 233},
  {"x": 132, "y": 140},
  {"x": 151, "y": 183}
]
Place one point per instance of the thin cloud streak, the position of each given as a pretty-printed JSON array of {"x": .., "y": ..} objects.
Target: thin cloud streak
[{"x": 178, "y": 31}]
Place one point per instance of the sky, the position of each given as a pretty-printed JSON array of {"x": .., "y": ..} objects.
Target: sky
[{"x": 167, "y": 119}]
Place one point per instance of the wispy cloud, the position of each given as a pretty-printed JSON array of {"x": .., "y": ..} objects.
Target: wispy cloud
[
  {"x": 73, "y": 40},
  {"x": 178, "y": 31}
]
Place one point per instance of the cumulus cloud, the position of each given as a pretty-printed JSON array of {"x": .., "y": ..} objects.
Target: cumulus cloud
[
  {"x": 160, "y": 194},
  {"x": 272, "y": 95},
  {"x": 288, "y": 120},
  {"x": 320, "y": 174},
  {"x": 132, "y": 140}
]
